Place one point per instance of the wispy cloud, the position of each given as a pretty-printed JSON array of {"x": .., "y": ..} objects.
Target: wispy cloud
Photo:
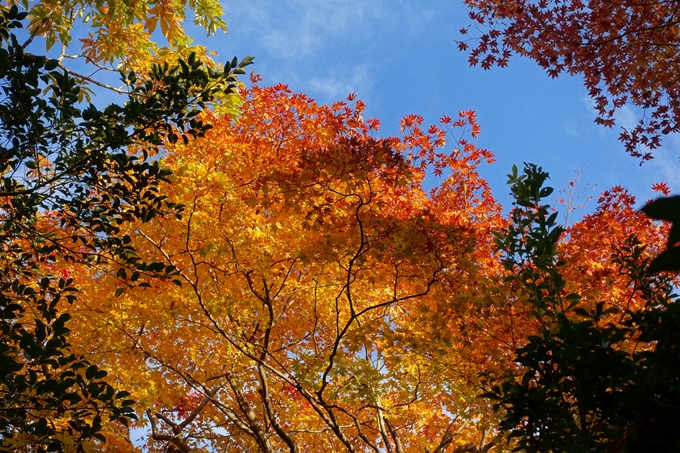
[
  {"x": 626, "y": 116},
  {"x": 334, "y": 87},
  {"x": 573, "y": 128},
  {"x": 296, "y": 29}
]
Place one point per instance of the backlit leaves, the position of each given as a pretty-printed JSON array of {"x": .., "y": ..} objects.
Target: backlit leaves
[
  {"x": 312, "y": 264},
  {"x": 120, "y": 31}
]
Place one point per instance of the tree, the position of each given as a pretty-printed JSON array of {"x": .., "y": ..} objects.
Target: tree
[
  {"x": 119, "y": 32},
  {"x": 70, "y": 179},
  {"x": 625, "y": 51},
  {"x": 601, "y": 372},
  {"x": 313, "y": 271}
]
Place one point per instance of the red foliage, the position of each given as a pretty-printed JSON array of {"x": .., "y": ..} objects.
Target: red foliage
[{"x": 626, "y": 52}]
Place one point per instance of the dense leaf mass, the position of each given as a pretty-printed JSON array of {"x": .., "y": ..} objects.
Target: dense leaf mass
[
  {"x": 600, "y": 372},
  {"x": 311, "y": 266},
  {"x": 324, "y": 300},
  {"x": 264, "y": 273}
]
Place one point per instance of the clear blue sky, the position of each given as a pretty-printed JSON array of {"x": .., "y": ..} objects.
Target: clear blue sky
[{"x": 399, "y": 57}]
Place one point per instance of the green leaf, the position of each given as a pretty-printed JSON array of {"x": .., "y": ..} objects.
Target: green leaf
[
  {"x": 665, "y": 208},
  {"x": 91, "y": 372},
  {"x": 668, "y": 260},
  {"x": 51, "y": 64}
]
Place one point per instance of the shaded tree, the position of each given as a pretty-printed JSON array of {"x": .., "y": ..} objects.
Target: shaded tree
[
  {"x": 69, "y": 178},
  {"x": 598, "y": 375}
]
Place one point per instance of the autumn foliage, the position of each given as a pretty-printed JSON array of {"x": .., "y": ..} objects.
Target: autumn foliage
[
  {"x": 625, "y": 51},
  {"x": 599, "y": 372},
  {"x": 118, "y": 31},
  {"x": 312, "y": 272},
  {"x": 210, "y": 267},
  {"x": 321, "y": 299}
]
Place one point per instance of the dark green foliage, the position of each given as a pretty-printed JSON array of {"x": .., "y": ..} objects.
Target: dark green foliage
[
  {"x": 575, "y": 389},
  {"x": 668, "y": 209},
  {"x": 69, "y": 178},
  {"x": 42, "y": 381}
]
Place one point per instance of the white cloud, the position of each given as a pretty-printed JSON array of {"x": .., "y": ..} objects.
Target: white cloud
[
  {"x": 296, "y": 29},
  {"x": 332, "y": 87},
  {"x": 573, "y": 128},
  {"x": 626, "y": 117}
]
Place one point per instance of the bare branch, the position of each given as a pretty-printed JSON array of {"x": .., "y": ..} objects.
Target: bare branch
[
  {"x": 92, "y": 80},
  {"x": 395, "y": 436},
  {"x": 176, "y": 442}
]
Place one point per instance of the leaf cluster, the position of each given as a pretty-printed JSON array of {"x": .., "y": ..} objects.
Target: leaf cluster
[
  {"x": 118, "y": 31},
  {"x": 625, "y": 51},
  {"x": 48, "y": 393}
]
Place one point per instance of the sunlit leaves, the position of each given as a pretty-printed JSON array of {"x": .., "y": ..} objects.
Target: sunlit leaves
[
  {"x": 122, "y": 31},
  {"x": 71, "y": 179},
  {"x": 312, "y": 266}
]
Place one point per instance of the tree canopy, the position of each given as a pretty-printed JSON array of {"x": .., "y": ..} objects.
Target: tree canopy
[
  {"x": 310, "y": 263},
  {"x": 325, "y": 300},
  {"x": 209, "y": 266}
]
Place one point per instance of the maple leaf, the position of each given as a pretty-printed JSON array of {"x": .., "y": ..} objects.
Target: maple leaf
[{"x": 661, "y": 187}]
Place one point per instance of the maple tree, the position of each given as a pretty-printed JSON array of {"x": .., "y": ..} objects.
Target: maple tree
[
  {"x": 312, "y": 274},
  {"x": 311, "y": 295},
  {"x": 323, "y": 300},
  {"x": 626, "y": 52},
  {"x": 70, "y": 179}
]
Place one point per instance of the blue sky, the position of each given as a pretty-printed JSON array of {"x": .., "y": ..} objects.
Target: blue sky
[{"x": 399, "y": 57}]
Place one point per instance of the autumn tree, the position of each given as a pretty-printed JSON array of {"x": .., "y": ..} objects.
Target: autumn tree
[
  {"x": 311, "y": 266},
  {"x": 70, "y": 178},
  {"x": 583, "y": 387},
  {"x": 625, "y": 51},
  {"x": 600, "y": 373}
]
